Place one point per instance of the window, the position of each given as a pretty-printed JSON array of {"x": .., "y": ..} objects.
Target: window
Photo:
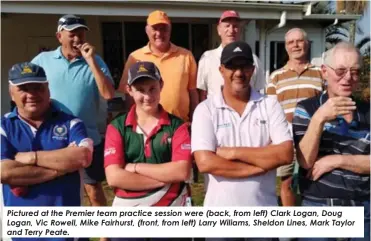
[{"x": 112, "y": 49}]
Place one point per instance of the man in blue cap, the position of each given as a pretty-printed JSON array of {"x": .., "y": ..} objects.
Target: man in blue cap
[
  {"x": 77, "y": 78},
  {"x": 42, "y": 148}
]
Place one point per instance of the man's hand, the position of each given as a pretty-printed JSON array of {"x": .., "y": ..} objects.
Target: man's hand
[
  {"x": 324, "y": 165},
  {"x": 87, "y": 51},
  {"x": 130, "y": 167},
  {"x": 27, "y": 158},
  {"x": 334, "y": 107},
  {"x": 225, "y": 152}
]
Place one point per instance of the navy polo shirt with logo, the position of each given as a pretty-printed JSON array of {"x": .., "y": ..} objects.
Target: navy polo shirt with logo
[
  {"x": 56, "y": 132},
  {"x": 338, "y": 138}
]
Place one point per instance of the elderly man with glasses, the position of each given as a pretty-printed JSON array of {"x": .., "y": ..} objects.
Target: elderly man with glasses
[{"x": 332, "y": 138}]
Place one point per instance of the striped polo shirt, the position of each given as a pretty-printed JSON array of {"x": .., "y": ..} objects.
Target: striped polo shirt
[
  {"x": 292, "y": 87},
  {"x": 338, "y": 137}
]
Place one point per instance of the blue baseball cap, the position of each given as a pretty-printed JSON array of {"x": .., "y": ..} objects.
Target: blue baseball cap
[
  {"x": 143, "y": 69},
  {"x": 24, "y": 73}
]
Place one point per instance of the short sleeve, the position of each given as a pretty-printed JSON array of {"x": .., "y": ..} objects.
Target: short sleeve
[
  {"x": 37, "y": 60},
  {"x": 79, "y": 135},
  {"x": 192, "y": 72},
  {"x": 7, "y": 149},
  {"x": 278, "y": 125},
  {"x": 181, "y": 144},
  {"x": 258, "y": 78},
  {"x": 104, "y": 68},
  {"x": 271, "y": 87},
  {"x": 300, "y": 123},
  {"x": 113, "y": 147},
  {"x": 201, "y": 74},
  {"x": 202, "y": 135}
]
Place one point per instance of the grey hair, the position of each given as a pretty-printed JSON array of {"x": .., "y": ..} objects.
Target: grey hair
[
  {"x": 329, "y": 55},
  {"x": 297, "y": 29}
]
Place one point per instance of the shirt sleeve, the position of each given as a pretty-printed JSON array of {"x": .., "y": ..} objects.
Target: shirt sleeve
[
  {"x": 113, "y": 147},
  {"x": 192, "y": 72},
  {"x": 300, "y": 123},
  {"x": 278, "y": 125},
  {"x": 36, "y": 60},
  {"x": 104, "y": 68},
  {"x": 271, "y": 87},
  {"x": 181, "y": 144},
  {"x": 203, "y": 135},
  {"x": 7, "y": 149},
  {"x": 79, "y": 136},
  {"x": 258, "y": 78},
  {"x": 201, "y": 74}
]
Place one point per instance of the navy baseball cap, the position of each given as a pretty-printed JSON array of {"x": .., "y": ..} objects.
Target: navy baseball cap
[
  {"x": 70, "y": 22},
  {"x": 237, "y": 49},
  {"x": 25, "y": 73},
  {"x": 143, "y": 69}
]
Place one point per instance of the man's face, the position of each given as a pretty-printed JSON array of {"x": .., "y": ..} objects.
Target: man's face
[
  {"x": 229, "y": 30},
  {"x": 296, "y": 45},
  {"x": 31, "y": 99},
  {"x": 237, "y": 74},
  {"x": 146, "y": 93},
  {"x": 70, "y": 40},
  {"x": 159, "y": 35},
  {"x": 343, "y": 73}
]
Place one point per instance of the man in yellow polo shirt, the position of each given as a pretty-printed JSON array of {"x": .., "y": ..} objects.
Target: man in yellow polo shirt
[{"x": 177, "y": 66}]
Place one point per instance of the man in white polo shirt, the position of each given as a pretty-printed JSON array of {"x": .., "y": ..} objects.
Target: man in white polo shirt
[
  {"x": 209, "y": 78},
  {"x": 240, "y": 137}
]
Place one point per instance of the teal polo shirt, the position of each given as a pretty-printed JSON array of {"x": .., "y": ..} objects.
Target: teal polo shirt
[{"x": 73, "y": 88}]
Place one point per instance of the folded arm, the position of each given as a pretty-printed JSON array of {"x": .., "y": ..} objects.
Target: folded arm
[
  {"x": 120, "y": 178},
  {"x": 68, "y": 159},
  {"x": 209, "y": 162},
  {"x": 268, "y": 157},
  {"x": 18, "y": 174},
  {"x": 170, "y": 172},
  {"x": 355, "y": 163}
]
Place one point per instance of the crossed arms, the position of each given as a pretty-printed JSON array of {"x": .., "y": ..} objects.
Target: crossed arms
[
  {"x": 308, "y": 131},
  {"x": 23, "y": 171},
  {"x": 239, "y": 162},
  {"x": 145, "y": 176}
]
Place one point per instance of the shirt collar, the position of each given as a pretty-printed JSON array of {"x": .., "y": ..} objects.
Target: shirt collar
[
  {"x": 173, "y": 49},
  {"x": 308, "y": 66},
  {"x": 220, "y": 103},
  {"x": 131, "y": 120}
]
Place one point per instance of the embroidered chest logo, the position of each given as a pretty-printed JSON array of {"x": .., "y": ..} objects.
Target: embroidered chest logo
[
  {"x": 60, "y": 132},
  {"x": 165, "y": 139}
]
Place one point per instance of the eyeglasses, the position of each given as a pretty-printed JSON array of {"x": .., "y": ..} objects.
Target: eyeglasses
[{"x": 341, "y": 72}]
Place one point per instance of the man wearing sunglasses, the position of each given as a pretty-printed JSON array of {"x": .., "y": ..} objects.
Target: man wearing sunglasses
[
  {"x": 240, "y": 137},
  {"x": 78, "y": 77},
  {"x": 332, "y": 138}
]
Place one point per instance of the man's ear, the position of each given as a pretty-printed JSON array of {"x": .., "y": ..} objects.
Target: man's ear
[
  {"x": 324, "y": 71},
  {"x": 128, "y": 89},
  {"x": 58, "y": 35}
]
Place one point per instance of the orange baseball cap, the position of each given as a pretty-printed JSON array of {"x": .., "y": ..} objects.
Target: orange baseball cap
[{"x": 157, "y": 17}]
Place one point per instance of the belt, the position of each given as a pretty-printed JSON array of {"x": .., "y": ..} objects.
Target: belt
[{"x": 335, "y": 201}]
